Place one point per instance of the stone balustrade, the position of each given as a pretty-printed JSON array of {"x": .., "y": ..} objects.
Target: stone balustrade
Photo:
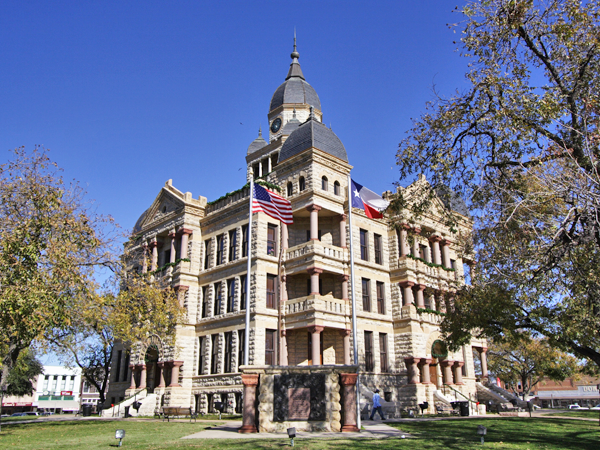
[
  {"x": 324, "y": 303},
  {"x": 318, "y": 248}
]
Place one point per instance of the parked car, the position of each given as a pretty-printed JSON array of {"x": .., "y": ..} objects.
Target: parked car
[
  {"x": 597, "y": 407},
  {"x": 21, "y": 414},
  {"x": 32, "y": 413},
  {"x": 576, "y": 406}
]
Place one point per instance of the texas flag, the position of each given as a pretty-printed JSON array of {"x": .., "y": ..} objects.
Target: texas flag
[{"x": 368, "y": 200}]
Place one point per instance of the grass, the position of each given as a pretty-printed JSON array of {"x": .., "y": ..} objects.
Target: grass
[
  {"x": 506, "y": 433},
  {"x": 585, "y": 413}
]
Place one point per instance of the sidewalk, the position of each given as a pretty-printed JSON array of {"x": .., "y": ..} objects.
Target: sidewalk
[{"x": 372, "y": 430}]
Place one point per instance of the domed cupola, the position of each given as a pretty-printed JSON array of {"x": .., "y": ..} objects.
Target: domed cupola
[
  {"x": 312, "y": 133},
  {"x": 257, "y": 143},
  {"x": 295, "y": 89}
]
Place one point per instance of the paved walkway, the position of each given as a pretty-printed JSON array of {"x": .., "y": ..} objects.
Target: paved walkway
[{"x": 372, "y": 430}]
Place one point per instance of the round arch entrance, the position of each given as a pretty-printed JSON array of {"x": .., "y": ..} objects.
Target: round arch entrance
[{"x": 151, "y": 360}]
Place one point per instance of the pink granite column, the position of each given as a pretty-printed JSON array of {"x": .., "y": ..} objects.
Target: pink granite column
[
  {"x": 348, "y": 381},
  {"x": 172, "y": 235},
  {"x": 458, "y": 372},
  {"x": 415, "y": 244},
  {"x": 185, "y": 235},
  {"x": 154, "y": 264},
  {"x": 446, "y": 253},
  {"x": 315, "y": 332},
  {"x": 142, "y": 368},
  {"x": 412, "y": 369},
  {"x": 284, "y": 237},
  {"x": 250, "y": 382},
  {"x": 314, "y": 221},
  {"x": 424, "y": 369},
  {"x": 175, "y": 373},
  {"x": 408, "y": 294},
  {"x": 420, "y": 295},
  {"x": 144, "y": 258},
  {"x": 403, "y": 239},
  {"x": 343, "y": 230},
  {"x": 447, "y": 371},
  {"x": 283, "y": 354},
  {"x": 161, "y": 374},
  {"x": 346, "y": 335},
  {"x": 314, "y": 279},
  {"x": 344, "y": 279},
  {"x": 435, "y": 247},
  {"x": 133, "y": 369},
  {"x": 483, "y": 358}
]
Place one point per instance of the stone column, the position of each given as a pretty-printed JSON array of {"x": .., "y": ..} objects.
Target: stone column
[
  {"x": 412, "y": 369},
  {"x": 348, "y": 382},
  {"x": 260, "y": 174},
  {"x": 420, "y": 295},
  {"x": 415, "y": 244},
  {"x": 154, "y": 263},
  {"x": 250, "y": 382},
  {"x": 284, "y": 236},
  {"x": 446, "y": 253},
  {"x": 185, "y": 234},
  {"x": 181, "y": 290},
  {"x": 345, "y": 279},
  {"x": 435, "y": 244},
  {"x": 269, "y": 164},
  {"x": 346, "y": 335},
  {"x": 172, "y": 235},
  {"x": 161, "y": 374},
  {"x": 432, "y": 302},
  {"x": 133, "y": 370},
  {"x": 343, "y": 230},
  {"x": 483, "y": 358},
  {"x": 283, "y": 353},
  {"x": 403, "y": 240},
  {"x": 447, "y": 369},
  {"x": 314, "y": 279},
  {"x": 408, "y": 295},
  {"x": 142, "y": 368},
  {"x": 144, "y": 258},
  {"x": 458, "y": 372},
  {"x": 315, "y": 331},
  {"x": 175, "y": 373},
  {"x": 314, "y": 221},
  {"x": 424, "y": 368}
]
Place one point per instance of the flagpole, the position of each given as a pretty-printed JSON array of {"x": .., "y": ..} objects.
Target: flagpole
[
  {"x": 353, "y": 300},
  {"x": 249, "y": 252}
]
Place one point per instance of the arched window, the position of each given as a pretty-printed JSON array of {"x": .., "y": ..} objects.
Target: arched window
[
  {"x": 290, "y": 189},
  {"x": 336, "y": 188},
  {"x": 324, "y": 184},
  {"x": 302, "y": 184}
]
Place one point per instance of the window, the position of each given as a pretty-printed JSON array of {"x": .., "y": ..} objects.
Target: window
[
  {"x": 383, "y": 356},
  {"x": 206, "y": 253},
  {"x": 204, "y": 301},
  {"x": 230, "y": 294},
  {"x": 228, "y": 351},
  {"x": 244, "y": 240},
  {"x": 127, "y": 360},
  {"x": 336, "y": 188},
  {"x": 45, "y": 385},
  {"x": 218, "y": 300},
  {"x": 324, "y": 184},
  {"x": 243, "y": 292},
  {"x": 369, "y": 363},
  {"x": 214, "y": 358},
  {"x": 364, "y": 245},
  {"x": 271, "y": 240},
  {"x": 290, "y": 189},
  {"x": 232, "y": 245},
  {"x": 377, "y": 242},
  {"x": 241, "y": 345},
  {"x": 270, "y": 347},
  {"x": 380, "y": 298},
  {"x": 271, "y": 291},
  {"x": 220, "y": 249},
  {"x": 118, "y": 366},
  {"x": 301, "y": 184},
  {"x": 202, "y": 343},
  {"x": 366, "y": 295}
]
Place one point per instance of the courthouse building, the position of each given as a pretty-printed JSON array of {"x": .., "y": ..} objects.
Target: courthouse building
[{"x": 302, "y": 316}]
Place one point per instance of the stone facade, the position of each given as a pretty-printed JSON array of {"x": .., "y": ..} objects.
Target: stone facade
[{"x": 403, "y": 282}]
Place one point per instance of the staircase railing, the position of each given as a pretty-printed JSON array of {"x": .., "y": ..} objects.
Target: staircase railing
[{"x": 458, "y": 392}]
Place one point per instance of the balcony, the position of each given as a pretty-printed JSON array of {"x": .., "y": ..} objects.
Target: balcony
[
  {"x": 421, "y": 270},
  {"x": 330, "y": 256}
]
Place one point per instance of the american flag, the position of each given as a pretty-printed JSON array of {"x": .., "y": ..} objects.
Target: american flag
[{"x": 272, "y": 205}]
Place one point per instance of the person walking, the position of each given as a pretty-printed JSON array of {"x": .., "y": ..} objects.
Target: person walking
[{"x": 377, "y": 405}]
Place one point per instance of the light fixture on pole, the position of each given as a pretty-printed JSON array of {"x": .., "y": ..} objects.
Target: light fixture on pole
[
  {"x": 292, "y": 434},
  {"x": 120, "y": 434}
]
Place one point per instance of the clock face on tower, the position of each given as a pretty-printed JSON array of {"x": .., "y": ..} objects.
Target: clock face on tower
[{"x": 276, "y": 125}]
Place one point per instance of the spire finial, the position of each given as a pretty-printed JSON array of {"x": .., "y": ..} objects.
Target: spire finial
[
  {"x": 295, "y": 54},
  {"x": 294, "y": 116},
  {"x": 312, "y": 113},
  {"x": 260, "y": 131}
]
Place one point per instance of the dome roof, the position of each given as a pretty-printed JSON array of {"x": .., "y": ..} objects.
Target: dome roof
[
  {"x": 257, "y": 143},
  {"x": 312, "y": 133},
  {"x": 295, "y": 89}
]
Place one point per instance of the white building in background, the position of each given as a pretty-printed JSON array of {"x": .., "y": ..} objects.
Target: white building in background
[{"x": 58, "y": 390}]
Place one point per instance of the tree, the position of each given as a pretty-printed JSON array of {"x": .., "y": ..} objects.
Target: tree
[
  {"x": 50, "y": 243},
  {"x": 525, "y": 362},
  {"x": 19, "y": 380},
  {"x": 131, "y": 309},
  {"x": 521, "y": 146}
]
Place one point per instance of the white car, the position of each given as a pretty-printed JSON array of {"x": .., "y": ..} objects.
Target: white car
[
  {"x": 576, "y": 406},
  {"x": 597, "y": 407}
]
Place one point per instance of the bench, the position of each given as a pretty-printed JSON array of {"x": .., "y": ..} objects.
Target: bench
[{"x": 175, "y": 412}]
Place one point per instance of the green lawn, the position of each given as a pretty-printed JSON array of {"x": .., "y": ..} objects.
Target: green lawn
[
  {"x": 508, "y": 433},
  {"x": 585, "y": 413}
]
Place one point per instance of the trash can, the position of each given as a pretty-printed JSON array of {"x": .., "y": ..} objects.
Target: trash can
[
  {"x": 464, "y": 408},
  {"x": 87, "y": 410},
  {"x": 127, "y": 412}
]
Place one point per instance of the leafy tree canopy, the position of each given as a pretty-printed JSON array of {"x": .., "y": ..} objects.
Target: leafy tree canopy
[
  {"x": 21, "y": 376},
  {"x": 521, "y": 146}
]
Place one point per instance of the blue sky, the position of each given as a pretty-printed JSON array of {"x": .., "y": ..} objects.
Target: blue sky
[{"x": 129, "y": 94}]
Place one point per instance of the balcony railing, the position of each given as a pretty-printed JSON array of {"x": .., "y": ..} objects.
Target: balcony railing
[
  {"x": 324, "y": 303},
  {"x": 318, "y": 248}
]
